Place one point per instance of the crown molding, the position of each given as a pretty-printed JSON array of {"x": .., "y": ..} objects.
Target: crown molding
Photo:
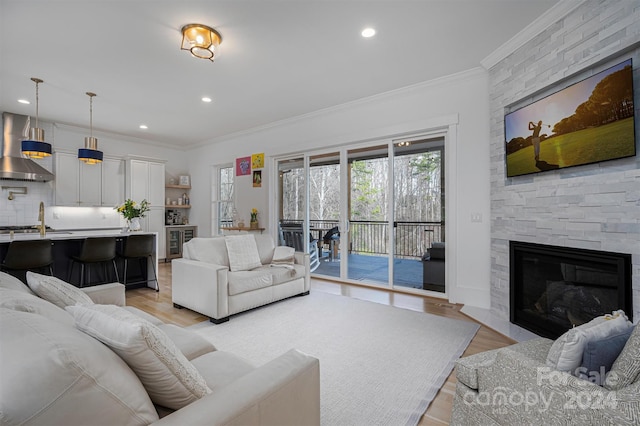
[
  {"x": 437, "y": 82},
  {"x": 559, "y": 11}
]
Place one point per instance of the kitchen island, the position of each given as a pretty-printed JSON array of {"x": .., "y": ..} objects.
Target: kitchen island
[{"x": 67, "y": 243}]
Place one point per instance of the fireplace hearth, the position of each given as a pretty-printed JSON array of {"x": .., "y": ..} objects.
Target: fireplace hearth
[{"x": 553, "y": 289}]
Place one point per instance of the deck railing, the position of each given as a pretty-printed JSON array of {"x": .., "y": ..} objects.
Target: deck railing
[{"x": 412, "y": 239}]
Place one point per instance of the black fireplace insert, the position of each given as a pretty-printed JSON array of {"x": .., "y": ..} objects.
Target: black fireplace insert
[{"x": 553, "y": 289}]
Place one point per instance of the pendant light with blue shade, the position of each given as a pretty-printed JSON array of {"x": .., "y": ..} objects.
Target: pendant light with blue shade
[
  {"x": 35, "y": 147},
  {"x": 90, "y": 153}
]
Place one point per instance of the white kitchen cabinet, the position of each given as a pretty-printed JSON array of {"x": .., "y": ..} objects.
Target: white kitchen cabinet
[
  {"x": 145, "y": 181},
  {"x": 156, "y": 187},
  {"x": 88, "y": 185},
  {"x": 112, "y": 182},
  {"x": 67, "y": 173}
]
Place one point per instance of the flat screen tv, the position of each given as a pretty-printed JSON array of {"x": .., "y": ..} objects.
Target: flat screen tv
[{"x": 587, "y": 122}]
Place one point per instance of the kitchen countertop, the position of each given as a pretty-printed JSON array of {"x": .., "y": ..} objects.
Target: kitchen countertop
[
  {"x": 180, "y": 226},
  {"x": 72, "y": 234}
]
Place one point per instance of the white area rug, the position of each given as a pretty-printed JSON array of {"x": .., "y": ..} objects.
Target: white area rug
[{"x": 378, "y": 364}]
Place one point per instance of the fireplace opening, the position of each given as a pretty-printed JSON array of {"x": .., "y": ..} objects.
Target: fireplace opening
[{"x": 553, "y": 289}]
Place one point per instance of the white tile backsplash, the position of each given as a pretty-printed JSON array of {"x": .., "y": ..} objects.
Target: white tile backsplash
[{"x": 23, "y": 209}]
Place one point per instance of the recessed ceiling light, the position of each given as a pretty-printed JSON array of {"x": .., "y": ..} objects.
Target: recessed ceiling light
[
  {"x": 368, "y": 32},
  {"x": 24, "y": 101},
  {"x": 206, "y": 99},
  {"x": 143, "y": 127}
]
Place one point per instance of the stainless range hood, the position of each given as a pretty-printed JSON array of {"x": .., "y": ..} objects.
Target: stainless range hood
[{"x": 12, "y": 164}]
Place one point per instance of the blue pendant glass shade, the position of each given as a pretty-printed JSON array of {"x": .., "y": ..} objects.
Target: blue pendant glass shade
[
  {"x": 90, "y": 153},
  {"x": 35, "y": 147}
]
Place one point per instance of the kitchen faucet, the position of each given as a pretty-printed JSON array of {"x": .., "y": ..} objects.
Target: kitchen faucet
[{"x": 43, "y": 229}]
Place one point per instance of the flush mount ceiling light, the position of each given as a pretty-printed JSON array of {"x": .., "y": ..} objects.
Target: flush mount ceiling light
[
  {"x": 90, "y": 154},
  {"x": 202, "y": 41},
  {"x": 35, "y": 147}
]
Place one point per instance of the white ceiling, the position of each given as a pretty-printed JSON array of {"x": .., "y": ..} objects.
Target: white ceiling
[{"x": 279, "y": 58}]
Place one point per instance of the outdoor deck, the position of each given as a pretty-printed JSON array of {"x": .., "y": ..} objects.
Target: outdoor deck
[{"x": 375, "y": 269}]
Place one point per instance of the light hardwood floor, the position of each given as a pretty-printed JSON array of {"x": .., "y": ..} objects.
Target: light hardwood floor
[{"x": 438, "y": 413}]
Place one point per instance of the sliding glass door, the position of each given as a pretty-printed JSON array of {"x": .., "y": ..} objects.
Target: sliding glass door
[
  {"x": 367, "y": 245},
  {"x": 418, "y": 225},
  {"x": 373, "y": 213}
]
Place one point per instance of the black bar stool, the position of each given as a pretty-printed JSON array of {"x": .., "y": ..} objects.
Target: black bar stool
[
  {"x": 95, "y": 250},
  {"x": 31, "y": 255},
  {"x": 139, "y": 247}
]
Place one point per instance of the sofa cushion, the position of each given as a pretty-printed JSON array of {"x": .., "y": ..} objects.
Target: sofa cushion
[
  {"x": 265, "y": 245},
  {"x": 13, "y": 283},
  {"x": 210, "y": 250},
  {"x": 283, "y": 255},
  {"x": 244, "y": 281},
  {"x": 25, "y": 302},
  {"x": 56, "y": 375},
  {"x": 600, "y": 355},
  {"x": 191, "y": 344},
  {"x": 56, "y": 291},
  {"x": 283, "y": 273},
  {"x": 220, "y": 368},
  {"x": 169, "y": 378},
  {"x": 566, "y": 352},
  {"x": 626, "y": 369},
  {"x": 242, "y": 251}
]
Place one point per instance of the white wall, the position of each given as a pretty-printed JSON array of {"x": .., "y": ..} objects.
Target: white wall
[
  {"x": 23, "y": 210},
  {"x": 402, "y": 111}
]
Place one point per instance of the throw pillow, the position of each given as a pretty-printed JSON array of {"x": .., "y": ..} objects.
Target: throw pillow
[
  {"x": 56, "y": 291},
  {"x": 626, "y": 369},
  {"x": 566, "y": 352},
  {"x": 599, "y": 356},
  {"x": 25, "y": 302},
  {"x": 54, "y": 374},
  {"x": 283, "y": 256},
  {"x": 9, "y": 281},
  {"x": 169, "y": 378},
  {"x": 243, "y": 252}
]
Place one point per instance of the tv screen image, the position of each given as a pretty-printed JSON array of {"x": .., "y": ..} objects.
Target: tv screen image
[{"x": 587, "y": 122}]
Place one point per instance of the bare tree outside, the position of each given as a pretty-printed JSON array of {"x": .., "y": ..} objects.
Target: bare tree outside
[{"x": 418, "y": 202}]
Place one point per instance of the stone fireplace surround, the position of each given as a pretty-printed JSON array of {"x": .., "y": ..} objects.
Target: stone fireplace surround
[{"x": 589, "y": 207}]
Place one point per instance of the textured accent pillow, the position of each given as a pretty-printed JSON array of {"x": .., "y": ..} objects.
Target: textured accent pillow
[
  {"x": 168, "y": 377},
  {"x": 600, "y": 355},
  {"x": 56, "y": 291},
  {"x": 626, "y": 369},
  {"x": 26, "y": 302},
  {"x": 243, "y": 252},
  {"x": 566, "y": 352},
  {"x": 283, "y": 255}
]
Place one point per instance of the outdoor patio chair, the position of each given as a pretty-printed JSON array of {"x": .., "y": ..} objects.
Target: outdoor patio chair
[
  {"x": 291, "y": 235},
  {"x": 332, "y": 240}
]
